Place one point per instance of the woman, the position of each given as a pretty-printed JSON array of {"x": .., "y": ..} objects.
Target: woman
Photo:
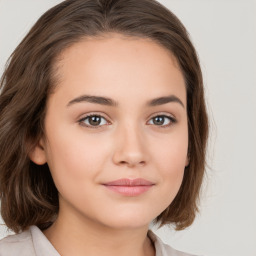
[{"x": 103, "y": 129}]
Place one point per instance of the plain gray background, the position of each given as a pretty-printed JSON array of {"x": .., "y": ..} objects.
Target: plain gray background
[{"x": 224, "y": 33}]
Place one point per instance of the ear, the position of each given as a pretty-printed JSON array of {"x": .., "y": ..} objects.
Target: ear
[{"x": 37, "y": 154}]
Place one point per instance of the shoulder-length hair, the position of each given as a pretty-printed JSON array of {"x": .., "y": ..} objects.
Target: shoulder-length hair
[{"x": 27, "y": 192}]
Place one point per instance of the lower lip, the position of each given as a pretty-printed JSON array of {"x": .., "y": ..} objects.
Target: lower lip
[{"x": 129, "y": 190}]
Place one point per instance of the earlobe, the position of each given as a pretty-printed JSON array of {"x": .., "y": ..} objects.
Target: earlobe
[{"x": 37, "y": 154}]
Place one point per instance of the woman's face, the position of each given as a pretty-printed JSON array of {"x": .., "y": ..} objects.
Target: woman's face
[{"x": 116, "y": 131}]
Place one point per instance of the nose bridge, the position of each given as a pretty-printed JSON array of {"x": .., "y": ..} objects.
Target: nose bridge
[{"x": 130, "y": 146}]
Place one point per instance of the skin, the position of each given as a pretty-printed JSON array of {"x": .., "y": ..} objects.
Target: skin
[{"x": 127, "y": 143}]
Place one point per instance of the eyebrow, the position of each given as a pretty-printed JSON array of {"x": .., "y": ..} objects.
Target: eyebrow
[
  {"x": 164, "y": 100},
  {"x": 93, "y": 99},
  {"x": 110, "y": 102}
]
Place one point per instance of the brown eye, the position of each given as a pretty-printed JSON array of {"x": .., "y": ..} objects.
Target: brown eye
[
  {"x": 159, "y": 120},
  {"x": 93, "y": 121},
  {"x": 162, "y": 120}
]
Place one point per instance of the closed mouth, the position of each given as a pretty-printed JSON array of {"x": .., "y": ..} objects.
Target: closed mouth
[{"x": 129, "y": 187}]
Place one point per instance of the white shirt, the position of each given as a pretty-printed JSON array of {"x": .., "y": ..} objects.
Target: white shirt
[{"x": 34, "y": 243}]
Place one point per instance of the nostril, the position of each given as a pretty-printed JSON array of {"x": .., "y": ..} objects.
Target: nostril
[{"x": 132, "y": 163}]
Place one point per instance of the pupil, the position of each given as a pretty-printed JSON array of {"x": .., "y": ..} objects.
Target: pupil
[
  {"x": 94, "y": 120},
  {"x": 158, "y": 120}
]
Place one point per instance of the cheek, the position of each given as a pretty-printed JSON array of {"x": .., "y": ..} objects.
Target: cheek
[
  {"x": 170, "y": 160},
  {"x": 172, "y": 152},
  {"x": 75, "y": 158}
]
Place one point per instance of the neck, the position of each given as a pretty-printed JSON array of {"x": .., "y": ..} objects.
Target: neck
[{"x": 71, "y": 236}]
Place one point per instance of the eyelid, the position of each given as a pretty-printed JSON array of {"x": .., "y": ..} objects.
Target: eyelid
[
  {"x": 162, "y": 114},
  {"x": 100, "y": 114},
  {"x": 172, "y": 118}
]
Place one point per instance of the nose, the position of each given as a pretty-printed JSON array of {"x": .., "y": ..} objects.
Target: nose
[{"x": 130, "y": 147}]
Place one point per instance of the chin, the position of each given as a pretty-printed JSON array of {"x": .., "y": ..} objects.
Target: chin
[{"x": 128, "y": 221}]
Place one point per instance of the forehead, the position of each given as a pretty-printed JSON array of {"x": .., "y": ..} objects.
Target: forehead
[{"x": 115, "y": 62}]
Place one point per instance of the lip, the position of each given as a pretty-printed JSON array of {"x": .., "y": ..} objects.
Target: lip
[{"x": 129, "y": 187}]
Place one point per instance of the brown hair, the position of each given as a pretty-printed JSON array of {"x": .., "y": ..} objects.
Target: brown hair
[{"x": 27, "y": 192}]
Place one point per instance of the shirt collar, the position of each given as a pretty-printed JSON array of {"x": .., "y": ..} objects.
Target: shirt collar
[{"x": 42, "y": 245}]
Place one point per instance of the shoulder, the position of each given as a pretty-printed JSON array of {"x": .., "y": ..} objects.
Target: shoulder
[
  {"x": 19, "y": 244},
  {"x": 163, "y": 249}
]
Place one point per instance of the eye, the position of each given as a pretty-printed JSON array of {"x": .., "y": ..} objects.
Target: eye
[
  {"x": 162, "y": 120},
  {"x": 93, "y": 121}
]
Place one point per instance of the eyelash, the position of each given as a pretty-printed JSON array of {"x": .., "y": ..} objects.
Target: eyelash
[
  {"x": 81, "y": 121},
  {"x": 171, "y": 119}
]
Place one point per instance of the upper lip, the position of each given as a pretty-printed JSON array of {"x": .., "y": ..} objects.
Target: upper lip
[{"x": 129, "y": 182}]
